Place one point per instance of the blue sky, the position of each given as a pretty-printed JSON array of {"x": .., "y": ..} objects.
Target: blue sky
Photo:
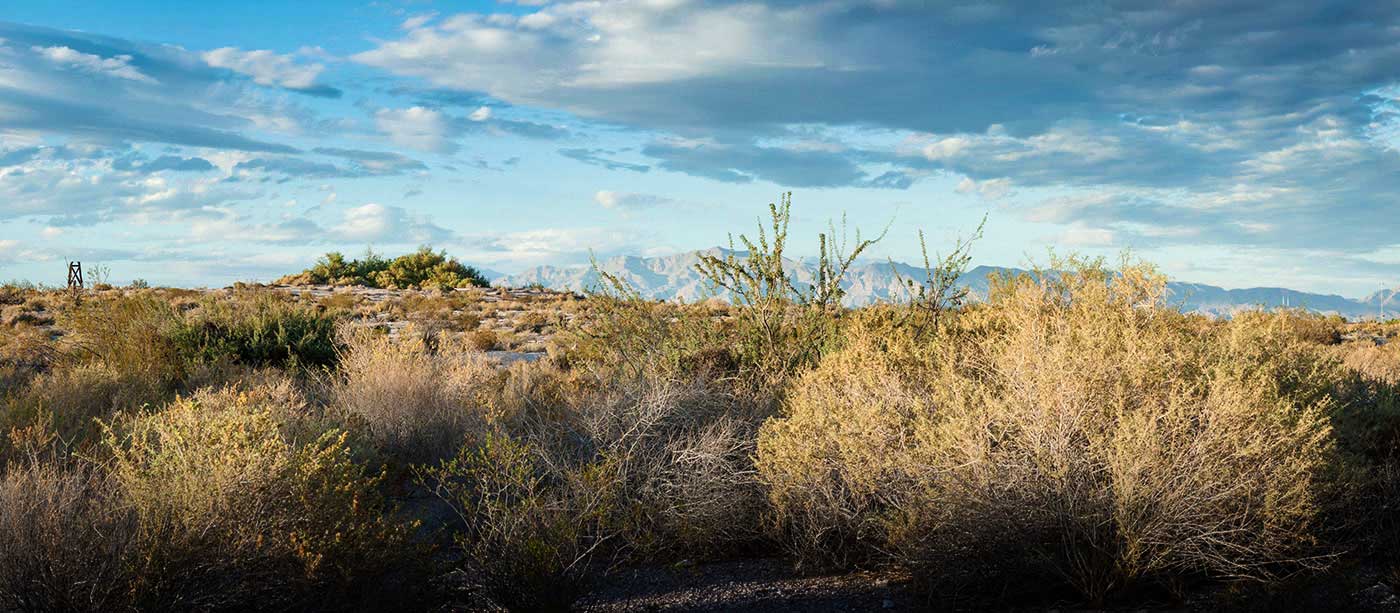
[{"x": 1239, "y": 143}]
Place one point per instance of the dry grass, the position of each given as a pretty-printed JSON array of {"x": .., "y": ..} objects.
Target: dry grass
[
  {"x": 419, "y": 403},
  {"x": 63, "y": 539}
]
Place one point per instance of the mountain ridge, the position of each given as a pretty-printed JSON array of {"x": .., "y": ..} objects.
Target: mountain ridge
[{"x": 674, "y": 277}]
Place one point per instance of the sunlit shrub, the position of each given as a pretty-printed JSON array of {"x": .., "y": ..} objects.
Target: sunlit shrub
[
  {"x": 418, "y": 404},
  {"x": 131, "y": 335},
  {"x": 424, "y": 268},
  {"x": 234, "y": 513},
  {"x": 67, "y": 402},
  {"x": 1085, "y": 433}
]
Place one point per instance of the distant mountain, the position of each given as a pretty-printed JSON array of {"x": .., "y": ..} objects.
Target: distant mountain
[
  {"x": 1386, "y": 299},
  {"x": 674, "y": 277},
  {"x": 490, "y": 275}
]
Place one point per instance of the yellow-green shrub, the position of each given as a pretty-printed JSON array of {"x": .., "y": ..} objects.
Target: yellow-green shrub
[
  {"x": 233, "y": 512},
  {"x": 1074, "y": 428},
  {"x": 67, "y": 401}
]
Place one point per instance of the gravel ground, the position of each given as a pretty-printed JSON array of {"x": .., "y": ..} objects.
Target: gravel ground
[{"x": 746, "y": 585}]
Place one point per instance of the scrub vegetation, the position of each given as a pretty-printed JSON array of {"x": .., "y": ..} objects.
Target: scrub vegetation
[{"x": 1068, "y": 438}]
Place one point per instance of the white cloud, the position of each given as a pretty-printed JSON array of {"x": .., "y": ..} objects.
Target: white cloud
[
  {"x": 1080, "y": 236},
  {"x": 15, "y": 251},
  {"x": 990, "y": 189},
  {"x": 603, "y": 44},
  {"x": 417, "y": 21},
  {"x": 480, "y": 114},
  {"x": 118, "y": 66},
  {"x": 265, "y": 67},
  {"x": 629, "y": 201},
  {"x": 377, "y": 222},
  {"x": 416, "y": 127},
  {"x": 554, "y": 246}
]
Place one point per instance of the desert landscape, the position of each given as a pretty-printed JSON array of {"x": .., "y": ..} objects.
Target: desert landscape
[
  {"x": 699, "y": 306},
  {"x": 392, "y": 432}
]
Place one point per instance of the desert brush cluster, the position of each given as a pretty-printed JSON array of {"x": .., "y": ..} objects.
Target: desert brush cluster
[{"x": 1069, "y": 437}]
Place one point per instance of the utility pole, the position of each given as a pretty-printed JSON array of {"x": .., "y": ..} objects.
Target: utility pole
[{"x": 75, "y": 279}]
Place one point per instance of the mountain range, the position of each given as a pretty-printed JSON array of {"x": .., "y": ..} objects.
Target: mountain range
[{"x": 674, "y": 277}]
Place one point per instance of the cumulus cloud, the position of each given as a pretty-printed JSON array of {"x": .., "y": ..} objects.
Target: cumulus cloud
[
  {"x": 375, "y": 222},
  {"x": 69, "y": 186}
]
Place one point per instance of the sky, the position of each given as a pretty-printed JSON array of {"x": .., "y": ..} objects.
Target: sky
[{"x": 1242, "y": 144}]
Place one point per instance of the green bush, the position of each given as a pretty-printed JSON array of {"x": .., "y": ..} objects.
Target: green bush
[
  {"x": 262, "y": 331},
  {"x": 423, "y": 269}
]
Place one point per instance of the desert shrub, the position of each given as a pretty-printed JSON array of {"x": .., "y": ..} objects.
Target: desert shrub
[
  {"x": 24, "y": 351},
  {"x": 1372, "y": 361},
  {"x": 468, "y": 322},
  {"x": 677, "y": 456},
  {"x": 64, "y": 538},
  {"x": 566, "y": 469},
  {"x": 424, "y": 268},
  {"x": 234, "y": 513},
  {"x": 261, "y": 330},
  {"x": 14, "y": 293},
  {"x": 483, "y": 340},
  {"x": 143, "y": 336},
  {"x": 418, "y": 404},
  {"x": 1074, "y": 428},
  {"x": 629, "y": 337},
  {"x": 344, "y": 301},
  {"x": 534, "y": 321},
  {"x": 783, "y": 326},
  {"x": 128, "y": 334},
  {"x": 845, "y": 446},
  {"x": 528, "y": 528},
  {"x": 67, "y": 402}
]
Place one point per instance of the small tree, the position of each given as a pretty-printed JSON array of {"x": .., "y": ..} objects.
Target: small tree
[
  {"x": 784, "y": 326},
  {"x": 940, "y": 292},
  {"x": 760, "y": 276}
]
